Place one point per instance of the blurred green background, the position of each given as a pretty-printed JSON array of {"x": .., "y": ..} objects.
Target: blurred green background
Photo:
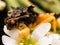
[{"x": 41, "y": 6}]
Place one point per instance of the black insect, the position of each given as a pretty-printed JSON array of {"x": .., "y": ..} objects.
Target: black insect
[{"x": 19, "y": 15}]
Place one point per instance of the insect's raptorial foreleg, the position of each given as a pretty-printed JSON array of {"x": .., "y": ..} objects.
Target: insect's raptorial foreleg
[{"x": 53, "y": 22}]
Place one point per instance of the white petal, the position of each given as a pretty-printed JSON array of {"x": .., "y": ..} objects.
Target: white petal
[
  {"x": 8, "y": 41},
  {"x": 41, "y": 30},
  {"x": 44, "y": 41},
  {"x": 56, "y": 42},
  {"x": 55, "y": 39},
  {"x": 54, "y": 36},
  {"x": 11, "y": 33}
]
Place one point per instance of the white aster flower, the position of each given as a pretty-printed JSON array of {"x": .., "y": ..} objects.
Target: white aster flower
[{"x": 38, "y": 34}]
